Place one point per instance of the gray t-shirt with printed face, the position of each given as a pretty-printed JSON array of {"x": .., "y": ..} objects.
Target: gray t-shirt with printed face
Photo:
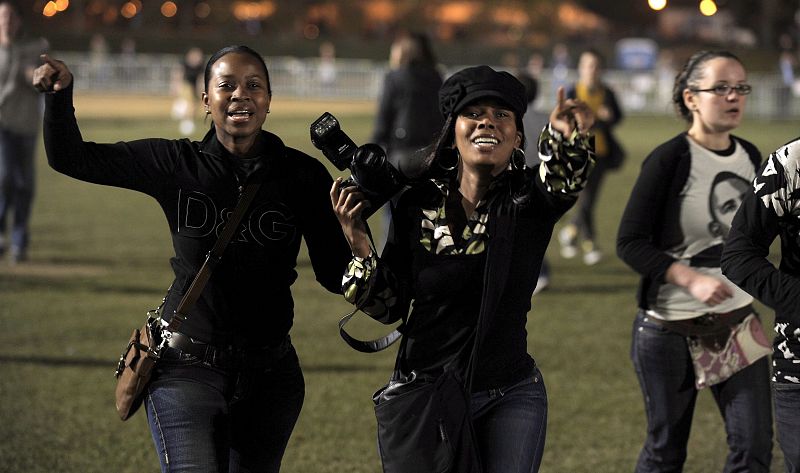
[{"x": 716, "y": 186}]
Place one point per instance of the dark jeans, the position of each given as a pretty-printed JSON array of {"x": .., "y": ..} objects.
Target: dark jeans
[
  {"x": 510, "y": 424},
  {"x": 16, "y": 187},
  {"x": 787, "y": 420},
  {"x": 666, "y": 376},
  {"x": 209, "y": 420}
]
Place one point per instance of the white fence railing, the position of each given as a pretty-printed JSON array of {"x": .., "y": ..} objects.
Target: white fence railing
[{"x": 349, "y": 79}]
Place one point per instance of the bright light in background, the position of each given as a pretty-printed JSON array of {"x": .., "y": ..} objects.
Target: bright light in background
[
  {"x": 708, "y": 7},
  {"x": 458, "y": 13},
  {"x": 50, "y": 9},
  {"x": 169, "y": 9},
  {"x": 657, "y": 4},
  {"x": 253, "y": 10},
  {"x": 129, "y": 10}
]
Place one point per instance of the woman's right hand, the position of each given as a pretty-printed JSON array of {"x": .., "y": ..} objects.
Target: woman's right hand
[
  {"x": 570, "y": 114},
  {"x": 709, "y": 290},
  {"x": 51, "y": 76},
  {"x": 348, "y": 204},
  {"x": 706, "y": 289}
]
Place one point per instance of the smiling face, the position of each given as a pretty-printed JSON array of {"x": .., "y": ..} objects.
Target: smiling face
[
  {"x": 238, "y": 99},
  {"x": 486, "y": 135},
  {"x": 714, "y": 113}
]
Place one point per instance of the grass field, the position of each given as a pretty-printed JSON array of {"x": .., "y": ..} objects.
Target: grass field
[{"x": 99, "y": 259}]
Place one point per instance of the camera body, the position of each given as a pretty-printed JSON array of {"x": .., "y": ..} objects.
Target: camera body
[{"x": 370, "y": 170}]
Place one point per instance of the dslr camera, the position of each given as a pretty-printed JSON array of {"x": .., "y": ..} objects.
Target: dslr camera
[{"x": 370, "y": 170}]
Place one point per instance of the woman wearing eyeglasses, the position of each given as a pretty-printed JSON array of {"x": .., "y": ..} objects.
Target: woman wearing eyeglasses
[{"x": 671, "y": 233}]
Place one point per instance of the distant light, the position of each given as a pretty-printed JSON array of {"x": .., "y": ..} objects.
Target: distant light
[
  {"x": 62, "y": 5},
  {"x": 657, "y": 4},
  {"x": 50, "y": 9},
  {"x": 244, "y": 11},
  {"x": 169, "y": 9},
  {"x": 202, "y": 10},
  {"x": 129, "y": 10},
  {"x": 311, "y": 31},
  {"x": 110, "y": 15},
  {"x": 95, "y": 8},
  {"x": 708, "y": 7}
]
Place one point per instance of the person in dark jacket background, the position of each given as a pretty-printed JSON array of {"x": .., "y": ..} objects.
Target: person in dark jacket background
[
  {"x": 408, "y": 118},
  {"x": 580, "y": 233},
  {"x": 20, "y": 122},
  {"x": 229, "y": 388}
]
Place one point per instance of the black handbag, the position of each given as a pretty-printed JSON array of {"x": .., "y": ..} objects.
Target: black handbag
[
  {"x": 138, "y": 360},
  {"x": 424, "y": 424}
]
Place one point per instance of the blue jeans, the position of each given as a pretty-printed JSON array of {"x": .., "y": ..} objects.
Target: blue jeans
[
  {"x": 16, "y": 187},
  {"x": 787, "y": 420},
  {"x": 510, "y": 425},
  {"x": 210, "y": 420},
  {"x": 666, "y": 376}
]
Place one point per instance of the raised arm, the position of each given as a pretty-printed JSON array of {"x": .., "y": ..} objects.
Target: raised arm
[{"x": 565, "y": 147}]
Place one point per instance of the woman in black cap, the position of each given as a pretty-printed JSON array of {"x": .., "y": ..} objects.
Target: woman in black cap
[{"x": 447, "y": 231}]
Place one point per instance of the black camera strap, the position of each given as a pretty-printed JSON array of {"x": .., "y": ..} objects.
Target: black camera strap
[
  {"x": 368, "y": 346},
  {"x": 377, "y": 344}
]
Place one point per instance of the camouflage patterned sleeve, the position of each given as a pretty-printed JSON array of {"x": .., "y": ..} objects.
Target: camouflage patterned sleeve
[
  {"x": 566, "y": 163},
  {"x": 372, "y": 288}
]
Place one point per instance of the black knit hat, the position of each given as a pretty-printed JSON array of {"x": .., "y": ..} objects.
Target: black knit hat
[{"x": 472, "y": 83}]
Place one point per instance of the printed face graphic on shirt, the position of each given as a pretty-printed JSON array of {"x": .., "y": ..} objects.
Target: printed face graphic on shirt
[{"x": 727, "y": 192}]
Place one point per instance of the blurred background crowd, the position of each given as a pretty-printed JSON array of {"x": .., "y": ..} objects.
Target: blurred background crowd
[{"x": 338, "y": 48}]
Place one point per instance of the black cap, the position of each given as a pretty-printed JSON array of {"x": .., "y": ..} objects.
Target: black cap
[{"x": 472, "y": 83}]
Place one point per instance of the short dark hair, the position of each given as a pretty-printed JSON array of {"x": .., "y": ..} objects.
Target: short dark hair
[{"x": 236, "y": 48}]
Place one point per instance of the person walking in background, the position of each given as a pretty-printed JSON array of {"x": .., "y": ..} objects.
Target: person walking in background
[
  {"x": 228, "y": 388},
  {"x": 787, "y": 64},
  {"x": 533, "y": 123},
  {"x": 769, "y": 210},
  {"x": 671, "y": 233},
  {"x": 445, "y": 231},
  {"x": 580, "y": 232},
  {"x": 407, "y": 118},
  {"x": 188, "y": 84},
  {"x": 20, "y": 122}
]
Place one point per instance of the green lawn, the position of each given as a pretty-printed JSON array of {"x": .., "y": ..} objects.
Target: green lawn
[{"x": 99, "y": 260}]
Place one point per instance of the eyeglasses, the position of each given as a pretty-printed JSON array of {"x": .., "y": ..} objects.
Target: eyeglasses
[{"x": 724, "y": 89}]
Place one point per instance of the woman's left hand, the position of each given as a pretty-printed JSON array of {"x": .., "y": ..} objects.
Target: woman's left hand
[{"x": 570, "y": 114}]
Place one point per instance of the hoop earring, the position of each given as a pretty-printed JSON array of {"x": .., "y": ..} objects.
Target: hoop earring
[
  {"x": 448, "y": 159},
  {"x": 517, "y": 161}
]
